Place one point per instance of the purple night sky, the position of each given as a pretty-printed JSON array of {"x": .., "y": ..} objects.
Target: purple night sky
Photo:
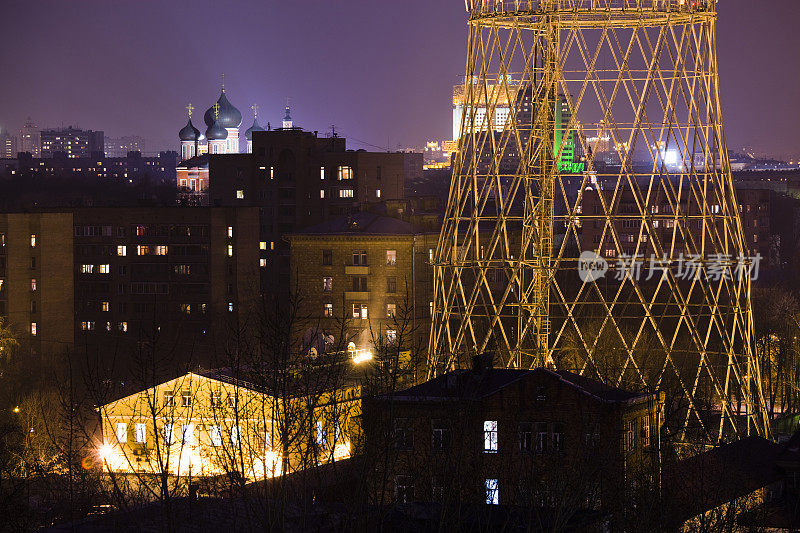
[{"x": 375, "y": 69}]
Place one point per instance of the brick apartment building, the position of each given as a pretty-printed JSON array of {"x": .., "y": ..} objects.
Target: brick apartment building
[
  {"x": 109, "y": 279},
  {"x": 512, "y": 437},
  {"x": 369, "y": 273},
  {"x": 296, "y": 179},
  {"x": 36, "y": 282}
]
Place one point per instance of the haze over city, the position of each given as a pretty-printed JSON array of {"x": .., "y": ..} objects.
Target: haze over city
[{"x": 377, "y": 70}]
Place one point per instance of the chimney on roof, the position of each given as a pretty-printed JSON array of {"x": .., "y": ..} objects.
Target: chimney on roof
[{"x": 483, "y": 363}]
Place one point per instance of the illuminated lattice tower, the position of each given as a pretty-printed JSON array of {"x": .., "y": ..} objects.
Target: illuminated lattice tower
[{"x": 610, "y": 145}]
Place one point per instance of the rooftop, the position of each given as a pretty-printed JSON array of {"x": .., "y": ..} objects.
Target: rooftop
[
  {"x": 361, "y": 224},
  {"x": 479, "y": 384}
]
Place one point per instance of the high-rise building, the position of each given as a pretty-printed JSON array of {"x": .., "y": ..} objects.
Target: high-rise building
[
  {"x": 72, "y": 142},
  {"x": 30, "y": 139},
  {"x": 8, "y": 145},
  {"x": 499, "y": 101},
  {"x": 120, "y": 146}
]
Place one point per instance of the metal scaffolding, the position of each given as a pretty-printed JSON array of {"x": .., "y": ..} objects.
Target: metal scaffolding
[{"x": 592, "y": 223}]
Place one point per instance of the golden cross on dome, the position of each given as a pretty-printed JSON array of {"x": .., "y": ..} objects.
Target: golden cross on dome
[
  {"x": 254, "y": 107},
  {"x": 190, "y": 108},
  {"x": 223, "y": 82},
  {"x": 216, "y": 110}
]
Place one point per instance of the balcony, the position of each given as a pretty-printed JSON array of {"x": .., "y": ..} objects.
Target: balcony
[
  {"x": 356, "y": 270},
  {"x": 356, "y": 295}
]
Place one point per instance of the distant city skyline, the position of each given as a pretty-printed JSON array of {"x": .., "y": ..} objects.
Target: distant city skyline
[{"x": 383, "y": 75}]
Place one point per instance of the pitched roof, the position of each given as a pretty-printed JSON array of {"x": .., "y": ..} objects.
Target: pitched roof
[
  {"x": 477, "y": 384},
  {"x": 361, "y": 224}
]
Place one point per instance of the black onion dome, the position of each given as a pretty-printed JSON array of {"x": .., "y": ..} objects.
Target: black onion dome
[
  {"x": 190, "y": 133},
  {"x": 229, "y": 116},
  {"x": 216, "y": 132},
  {"x": 255, "y": 127}
]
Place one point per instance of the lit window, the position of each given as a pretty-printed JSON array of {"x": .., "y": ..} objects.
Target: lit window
[
  {"x": 230, "y": 250},
  {"x": 105, "y": 306},
  {"x": 33, "y": 284},
  {"x": 239, "y": 194},
  {"x": 345, "y": 173},
  {"x": 377, "y": 193},
  {"x": 123, "y": 327},
  {"x": 262, "y": 245},
  {"x": 320, "y": 434},
  {"x": 262, "y": 263},
  {"x": 169, "y": 434},
  {"x": 328, "y": 310},
  {"x": 490, "y": 436},
  {"x": 122, "y": 251},
  {"x": 230, "y": 231},
  {"x": 322, "y": 193},
  {"x": 122, "y": 432},
  {"x": 230, "y": 307},
  {"x": 322, "y": 173},
  {"x": 235, "y": 435},
  {"x": 161, "y": 250},
  {"x": 430, "y": 255},
  {"x": 87, "y": 325},
  {"x": 142, "y": 250},
  {"x": 391, "y": 336},
  {"x": 391, "y": 257},
  {"x": 390, "y": 310},
  {"x": 87, "y": 269},
  {"x": 33, "y": 328},
  {"x": 430, "y": 308},
  {"x": 271, "y": 245},
  {"x": 360, "y": 311},
  {"x": 140, "y": 433},
  {"x": 33, "y": 240},
  {"x": 271, "y": 172},
  {"x": 345, "y": 193},
  {"x": 327, "y": 284},
  {"x": 216, "y": 436},
  {"x": 105, "y": 269},
  {"x": 492, "y": 493},
  {"x": 188, "y": 435}
]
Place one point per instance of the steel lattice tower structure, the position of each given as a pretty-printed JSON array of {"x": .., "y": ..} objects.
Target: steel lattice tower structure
[{"x": 552, "y": 88}]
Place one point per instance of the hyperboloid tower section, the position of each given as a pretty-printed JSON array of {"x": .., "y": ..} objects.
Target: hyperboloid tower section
[{"x": 592, "y": 223}]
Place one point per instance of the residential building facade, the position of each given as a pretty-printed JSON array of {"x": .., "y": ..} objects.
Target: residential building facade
[
  {"x": 367, "y": 277},
  {"x": 533, "y": 438}
]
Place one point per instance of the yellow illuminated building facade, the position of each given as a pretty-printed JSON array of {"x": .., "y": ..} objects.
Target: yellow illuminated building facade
[{"x": 210, "y": 423}]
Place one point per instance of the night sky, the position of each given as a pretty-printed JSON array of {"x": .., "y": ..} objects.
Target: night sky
[{"x": 376, "y": 69}]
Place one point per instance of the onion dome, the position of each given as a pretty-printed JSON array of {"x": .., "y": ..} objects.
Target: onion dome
[
  {"x": 216, "y": 132},
  {"x": 190, "y": 133},
  {"x": 229, "y": 116},
  {"x": 255, "y": 127}
]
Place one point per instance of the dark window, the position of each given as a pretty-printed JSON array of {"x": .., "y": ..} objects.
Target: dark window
[
  {"x": 359, "y": 284},
  {"x": 558, "y": 438},
  {"x": 359, "y": 258},
  {"x": 391, "y": 285},
  {"x": 525, "y": 438},
  {"x": 441, "y": 439},
  {"x": 327, "y": 257},
  {"x": 403, "y": 436},
  {"x": 541, "y": 437}
]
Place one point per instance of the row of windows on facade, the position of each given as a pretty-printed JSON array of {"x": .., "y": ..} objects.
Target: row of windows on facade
[
  {"x": 91, "y": 325},
  {"x": 359, "y": 257},
  {"x": 539, "y": 437},
  {"x": 149, "y": 230},
  {"x": 404, "y": 490},
  {"x": 3, "y": 240},
  {"x": 359, "y": 284},
  {"x": 320, "y": 436},
  {"x": 343, "y": 193}
]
